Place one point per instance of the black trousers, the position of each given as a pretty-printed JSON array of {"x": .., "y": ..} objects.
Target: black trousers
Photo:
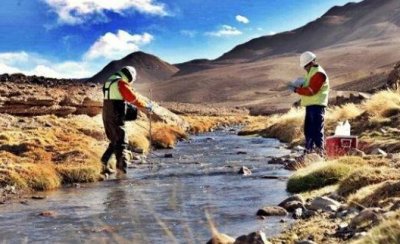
[
  {"x": 314, "y": 128},
  {"x": 114, "y": 124}
]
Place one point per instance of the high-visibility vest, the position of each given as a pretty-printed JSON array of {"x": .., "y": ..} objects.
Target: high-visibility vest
[
  {"x": 321, "y": 98},
  {"x": 111, "y": 89}
]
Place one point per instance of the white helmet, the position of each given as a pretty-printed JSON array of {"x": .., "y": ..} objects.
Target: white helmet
[
  {"x": 129, "y": 72},
  {"x": 306, "y": 58}
]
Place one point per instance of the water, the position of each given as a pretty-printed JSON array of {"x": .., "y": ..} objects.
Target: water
[{"x": 166, "y": 204}]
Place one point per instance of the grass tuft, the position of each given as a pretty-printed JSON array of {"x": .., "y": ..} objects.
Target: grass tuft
[
  {"x": 317, "y": 177},
  {"x": 366, "y": 176}
]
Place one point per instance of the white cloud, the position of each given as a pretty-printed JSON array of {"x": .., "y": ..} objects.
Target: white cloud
[
  {"x": 271, "y": 33},
  {"x": 79, "y": 11},
  {"x": 188, "y": 33},
  {"x": 242, "y": 19},
  {"x": 225, "y": 30},
  {"x": 107, "y": 47},
  {"x": 113, "y": 46}
]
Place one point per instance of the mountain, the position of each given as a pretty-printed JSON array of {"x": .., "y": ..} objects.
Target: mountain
[
  {"x": 149, "y": 67},
  {"x": 354, "y": 21},
  {"x": 353, "y": 41}
]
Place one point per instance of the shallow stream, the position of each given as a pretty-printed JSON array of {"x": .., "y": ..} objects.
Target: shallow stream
[{"x": 165, "y": 201}]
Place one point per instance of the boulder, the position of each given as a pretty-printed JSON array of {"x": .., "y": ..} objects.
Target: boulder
[
  {"x": 367, "y": 217},
  {"x": 220, "y": 238},
  {"x": 258, "y": 237},
  {"x": 379, "y": 152},
  {"x": 272, "y": 211},
  {"x": 325, "y": 204},
  {"x": 244, "y": 171},
  {"x": 291, "y": 203}
]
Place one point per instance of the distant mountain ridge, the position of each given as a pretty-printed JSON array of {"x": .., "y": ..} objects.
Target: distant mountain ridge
[
  {"x": 149, "y": 67},
  {"x": 341, "y": 24}
]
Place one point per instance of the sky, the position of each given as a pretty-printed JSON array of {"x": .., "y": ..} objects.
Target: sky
[{"x": 77, "y": 38}]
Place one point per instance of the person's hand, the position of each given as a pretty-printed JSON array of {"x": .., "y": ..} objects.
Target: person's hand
[
  {"x": 149, "y": 107},
  {"x": 291, "y": 88}
]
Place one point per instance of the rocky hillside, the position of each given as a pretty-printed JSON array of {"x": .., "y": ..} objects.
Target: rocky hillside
[
  {"x": 150, "y": 68},
  {"x": 368, "y": 19},
  {"x": 354, "y": 42}
]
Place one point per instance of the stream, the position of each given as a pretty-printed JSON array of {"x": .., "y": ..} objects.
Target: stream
[{"x": 165, "y": 201}]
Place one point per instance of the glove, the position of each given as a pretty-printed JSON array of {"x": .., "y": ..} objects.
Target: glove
[
  {"x": 291, "y": 88},
  {"x": 149, "y": 107}
]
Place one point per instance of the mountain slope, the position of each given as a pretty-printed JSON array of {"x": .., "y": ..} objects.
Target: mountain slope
[
  {"x": 354, "y": 21},
  {"x": 352, "y": 42},
  {"x": 149, "y": 67}
]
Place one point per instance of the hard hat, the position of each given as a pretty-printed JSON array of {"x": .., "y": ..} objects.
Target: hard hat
[
  {"x": 306, "y": 58},
  {"x": 129, "y": 72}
]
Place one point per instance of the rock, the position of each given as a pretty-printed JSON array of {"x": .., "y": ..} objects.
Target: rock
[
  {"x": 274, "y": 177},
  {"x": 48, "y": 214},
  {"x": 357, "y": 152},
  {"x": 303, "y": 161},
  {"x": 379, "y": 152},
  {"x": 220, "y": 238},
  {"x": 258, "y": 237},
  {"x": 168, "y": 155},
  {"x": 309, "y": 214},
  {"x": 360, "y": 234},
  {"x": 299, "y": 148},
  {"x": 305, "y": 242},
  {"x": 244, "y": 171},
  {"x": 298, "y": 213},
  {"x": 276, "y": 160},
  {"x": 272, "y": 211},
  {"x": 393, "y": 81},
  {"x": 291, "y": 203},
  {"x": 368, "y": 217},
  {"x": 325, "y": 204},
  {"x": 38, "y": 197},
  {"x": 241, "y": 153}
]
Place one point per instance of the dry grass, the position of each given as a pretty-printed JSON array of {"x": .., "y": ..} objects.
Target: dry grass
[
  {"x": 166, "y": 136},
  {"x": 366, "y": 176},
  {"x": 202, "y": 124},
  {"x": 319, "y": 228},
  {"x": 382, "y": 104},
  {"x": 43, "y": 152},
  {"x": 383, "y": 109},
  {"x": 374, "y": 195},
  {"x": 386, "y": 232}
]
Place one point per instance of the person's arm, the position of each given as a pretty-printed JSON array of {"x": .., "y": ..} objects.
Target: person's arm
[
  {"x": 129, "y": 96},
  {"x": 316, "y": 82}
]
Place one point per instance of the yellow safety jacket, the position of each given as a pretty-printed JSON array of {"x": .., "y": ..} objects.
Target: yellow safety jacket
[
  {"x": 110, "y": 87},
  {"x": 321, "y": 98}
]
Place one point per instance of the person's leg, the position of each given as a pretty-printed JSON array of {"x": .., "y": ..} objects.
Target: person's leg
[
  {"x": 319, "y": 129},
  {"x": 308, "y": 130},
  {"x": 121, "y": 149},
  {"x": 107, "y": 154}
]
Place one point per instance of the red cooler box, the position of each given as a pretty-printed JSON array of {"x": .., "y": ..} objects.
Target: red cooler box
[{"x": 340, "y": 145}]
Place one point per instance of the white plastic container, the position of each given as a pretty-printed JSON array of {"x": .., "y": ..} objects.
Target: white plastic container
[{"x": 343, "y": 129}]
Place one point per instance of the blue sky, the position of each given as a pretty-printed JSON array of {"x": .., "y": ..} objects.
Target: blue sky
[{"x": 72, "y": 38}]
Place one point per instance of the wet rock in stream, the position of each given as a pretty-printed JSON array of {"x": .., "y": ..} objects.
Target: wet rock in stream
[
  {"x": 244, "y": 171},
  {"x": 258, "y": 237},
  {"x": 271, "y": 211}
]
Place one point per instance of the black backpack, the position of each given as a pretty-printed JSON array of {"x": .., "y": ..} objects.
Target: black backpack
[{"x": 131, "y": 112}]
